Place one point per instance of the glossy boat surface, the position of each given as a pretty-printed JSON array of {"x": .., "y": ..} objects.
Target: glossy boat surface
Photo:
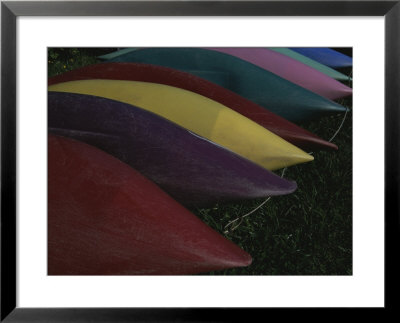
[
  {"x": 191, "y": 169},
  {"x": 274, "y": 93},
  {"x": 202, "y": 116},
  {"x": 290, "y": 69},
  {"x": 163, "y": 75},
  {"x": 326, "y": 56},
  {"x": 104, "y": 218}
]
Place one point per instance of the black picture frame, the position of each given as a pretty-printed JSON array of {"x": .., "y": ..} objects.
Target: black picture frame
[{"x": 10, "y": 10}]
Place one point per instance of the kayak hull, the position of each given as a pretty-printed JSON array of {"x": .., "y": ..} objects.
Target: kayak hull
[
  {"x": 326, "y": 56},
  {"x": 104, "y": 218},
  {"x": 112, "y": 55},
  {"x": 195, "y": 171},
  {"x": 159, "y": 74},
  {"x": 202, "y": 116},
  {"x": 313, "y": 64},
  {"x": 291, "y": 70},
  {"x": 280, "y": 96}
]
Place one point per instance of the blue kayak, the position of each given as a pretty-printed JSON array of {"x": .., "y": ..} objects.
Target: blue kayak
[
  {"x": 272, "y": 92},
  {"x": 326, "y": 56}
]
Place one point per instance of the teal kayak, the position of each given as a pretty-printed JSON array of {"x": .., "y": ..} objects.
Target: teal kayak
[
  {"x": 112, "y": 55},
  {"x": 312, "y": 63},
  {"x": 272, "y": 92}
]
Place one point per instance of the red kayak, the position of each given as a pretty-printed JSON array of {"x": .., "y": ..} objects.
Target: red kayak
[
  {"x": 163, "y": 75},
  {"x": 104, "y": 218}
]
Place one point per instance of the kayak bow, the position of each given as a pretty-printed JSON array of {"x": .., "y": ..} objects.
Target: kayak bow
[
  {"x": 193, "y": 170},
  {"x": 158, "y": 74},
  {"x": 200, "y": 115},
  {"x": 104, "y": 218}
]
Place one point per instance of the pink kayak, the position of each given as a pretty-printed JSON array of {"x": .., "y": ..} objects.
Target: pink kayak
[{"x": 290, "y": 69}]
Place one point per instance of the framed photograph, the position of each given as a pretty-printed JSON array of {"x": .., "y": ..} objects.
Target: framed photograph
[{"x": 328, "y": 245}]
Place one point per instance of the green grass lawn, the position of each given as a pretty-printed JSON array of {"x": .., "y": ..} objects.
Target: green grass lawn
[{"x": 308, "y": 232}]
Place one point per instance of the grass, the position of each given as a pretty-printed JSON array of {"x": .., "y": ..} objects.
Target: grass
[{"x": 308, "y": 232}]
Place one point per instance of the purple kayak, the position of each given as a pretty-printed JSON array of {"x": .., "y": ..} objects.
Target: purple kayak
[
  {"x": 193, "y": 170},
  {"x": 290, "y": 69}
]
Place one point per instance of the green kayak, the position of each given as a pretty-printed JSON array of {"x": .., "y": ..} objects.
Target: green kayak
[{"x": 310, "y": 62}]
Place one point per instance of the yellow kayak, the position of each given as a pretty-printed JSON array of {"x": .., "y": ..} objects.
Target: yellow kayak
[{"x": 200, "y": 115}]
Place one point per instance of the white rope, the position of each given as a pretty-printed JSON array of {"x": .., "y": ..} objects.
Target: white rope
[
  {"x": 340, "y": 127},
  {"x": 337, "y": 131},
  {"x": 230, "y": 226},
  {"x": 230, "y": 223}
]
